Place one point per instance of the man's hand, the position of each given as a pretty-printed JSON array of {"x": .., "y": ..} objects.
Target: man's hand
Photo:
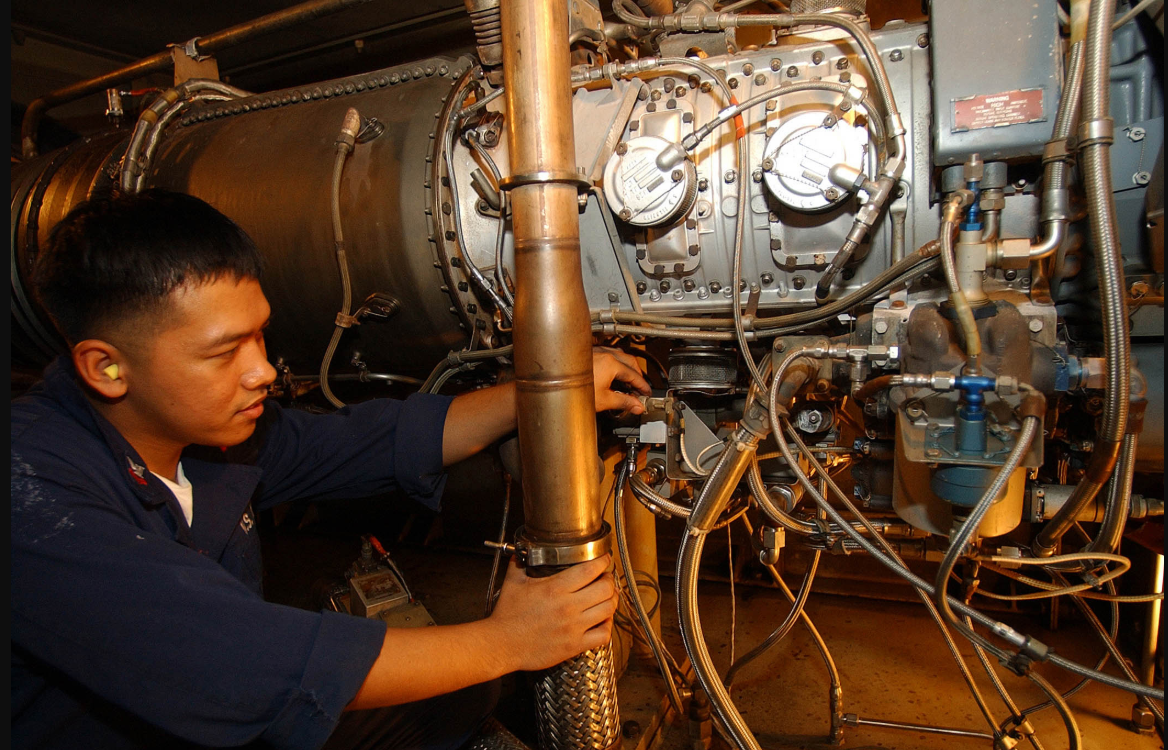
[
  {"x": 543, "y": 621},
  {"x": 609, "y": 366}
]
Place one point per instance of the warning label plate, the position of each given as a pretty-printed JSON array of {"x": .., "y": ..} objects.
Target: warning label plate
[{"x": 997, "y": 110}]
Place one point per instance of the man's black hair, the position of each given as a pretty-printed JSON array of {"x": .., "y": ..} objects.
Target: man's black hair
[{"x": 118, "y": 256}]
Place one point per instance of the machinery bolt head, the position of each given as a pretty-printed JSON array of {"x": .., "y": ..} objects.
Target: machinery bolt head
[
  {"x": 730, "y": 176},
  {"x": 776, "y": 64},
  {"x": 880, "y": 326},
  {"x": 666, "y": 285},
  {"x": 613, "y": 297},
  {"x": 747, "y": 69},
  {"x": 923, "y": 41},
  {"x": 668, "y": 84},
  {"x": 1136, "y": 134},
  {"x": 831, "y": 193},
  {"x": 625, "y": 214},
  {"x": 688, "y": 285},
  {"x": 1142, "y": 719},
  {"x": 715, "y": 287},
  {"x": 768, "y": 278},
  {"x": 679, "y": 294},
  {"x": 792, "y": 72},
  {"x": 655, "y": 95},
  {"x": 845, "y": 106},
  {"x": 933, "y": 453},
  {"x": 703, "y": 185},
  {"x": 756, "y": 175},
  {"x": 816, "y": 57},
  {"x": 760, "y": 79},
  {"x": 896, "y": 55},
  {"x": 897, "y": 304},
  {"x": 768, "y": 164},
  {"x": 798, "y": 282},
  {"x": 842, "y": 64},
  {"x": 622, "y": 148},
  {"x": 1010, "y": 274},
  {"x": 819, "y": 259},
  {"x": 706, "y": 87},
  {"x": 676, "y": 175},
  {"x": 654, "y": 295},
  {"x": 1142, "y": 178},
  {"x": 829, "y": 121},
  {"x": 581, "y": 201},
  {"x": 641, "y": 287},
  {"x": 1035, "y": 325}
]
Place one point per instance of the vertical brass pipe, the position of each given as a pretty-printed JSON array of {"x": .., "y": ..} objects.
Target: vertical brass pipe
[
  {"x": 577, "y": 700},
  {"x": 552, "y": 334}
]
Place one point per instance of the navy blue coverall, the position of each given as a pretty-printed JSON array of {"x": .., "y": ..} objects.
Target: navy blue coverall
[{"x": 131, "y": 629}]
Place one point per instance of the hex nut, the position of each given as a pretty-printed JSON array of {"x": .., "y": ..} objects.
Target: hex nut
[
  {"x": 896, "y": 55},
  {"x": 1035, "y": 325}
]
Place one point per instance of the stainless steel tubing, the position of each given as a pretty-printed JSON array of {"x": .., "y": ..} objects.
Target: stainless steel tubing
[
  {"x": 709, "y": 504},
  {"x": 576, "y": 700},
  {"x": 162, "y": 60},
  {"x": 857, "y": 721},
  {"x": 1096, "y": 164}
]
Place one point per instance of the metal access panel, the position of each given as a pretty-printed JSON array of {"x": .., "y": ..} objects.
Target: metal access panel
[{"x": 996, "y": 77}]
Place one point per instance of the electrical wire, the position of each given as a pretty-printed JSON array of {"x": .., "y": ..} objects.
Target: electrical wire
[{"x": 499, "y": 546}]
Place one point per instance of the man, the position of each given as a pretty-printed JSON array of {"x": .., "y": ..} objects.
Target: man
[{"x": 137, "y": 467}]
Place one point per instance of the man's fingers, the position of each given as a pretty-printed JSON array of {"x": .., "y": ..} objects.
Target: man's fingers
[
  {"x": 632, "y": 376},
  {"x": 514, "y": 570},
  {"x": 579, "y": 576},
  {"x": 598, "y": 592}
]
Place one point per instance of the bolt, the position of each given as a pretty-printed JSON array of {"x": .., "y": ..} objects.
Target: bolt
[
  {"x": 790, "y": 262},
  {"x": 613, "y": 297},
  {"x": 768, "y": 164},
  {"x": 671, "y": 104},
  {"x": 896, "y": 55},
  {"x": 798, "y": 282},
  {"x": 816, "y": 57},
  {"x": 831, "y": 194},
  {"x": 1025, "y": 282},
  {"x": 792, "y": 72},
  {"x": 625, "y": 214},
  {"x": 581, "y": 201},
  {"x": 880, "y": 326},
  {"x": 742, "y": 285},
  {"x": 1142, "y": 178},
  {"x": 1136, "y": 134},
  {"x": 1035, "y": 325},
  {"x": 651, "y": 107},
  {"x": 463, "y": 286},
  {"x": 819, "y": 259},
  {"x": 654, "y": 295},
  {"x": 732, "y": 83},
  {"x": 706, "y": 87},
  {"x": 678, "y": 294},
  {"x": 747, "y": 69},
  {"x": 845, "y": 106},
  {"x": 933, "y": 453},
  {"x": 715, "y": 287},
  {"x": 829, "y": 121},
  {"x": 668, "y": 85},
  {"x": 703, "y": 293},
  {"x": 694, "y": 250},
  {"x": 730, "y": 176},
  {"x": 679, "y": 92},
  {"x": 776, "y": 64},
  {"x": 688, "y": 285},
  {"x": 666, "y": 285},
  {"x": 677, "y": 175},
  {"x": 655, "y": 95},
  {"x": 641, "y": 287},
  {"x": 703, "y": 185},
  {"x": 760, "y": 79},
  {"x": 1010, "y": 275},
  {"x": 1138, "y": 289},
  {"x": 897, "y": 304},
  {"x": 841, "y": 64},
  {"x": 923, "y": 41},
  {"x": 756, "y": 175},
  {"x": 845, "y": 76},
  {"x": 768, "y": 278},
  {"x": 622, "y": 148}
]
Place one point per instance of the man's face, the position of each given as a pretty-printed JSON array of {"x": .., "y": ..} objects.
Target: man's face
[{"x": 202, "y": 376}]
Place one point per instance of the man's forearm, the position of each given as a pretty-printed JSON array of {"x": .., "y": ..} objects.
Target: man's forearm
[
  {"x": 418, "y": 663},
  {"x": 477, "y": 419}
]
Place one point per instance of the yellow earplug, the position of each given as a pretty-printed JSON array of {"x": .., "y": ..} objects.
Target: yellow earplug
[{"x": 112, "y": 372}]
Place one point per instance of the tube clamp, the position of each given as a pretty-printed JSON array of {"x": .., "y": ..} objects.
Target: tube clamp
[
  {"x": 1059, "y": 149},
  {"x": 542, "y": 178},
  {"x": 539, "y": 554},
  {"x": 1101, "y": 131}
]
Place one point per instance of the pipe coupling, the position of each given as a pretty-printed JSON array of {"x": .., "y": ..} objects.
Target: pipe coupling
[
  {"x": 1092, "y": 132},
  {"x": 539, "y": 554}
]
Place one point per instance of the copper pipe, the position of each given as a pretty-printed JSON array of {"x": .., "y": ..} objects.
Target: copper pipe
[
  {"x": 552, "y": 334},
  {"x": 160, "y": 61}
]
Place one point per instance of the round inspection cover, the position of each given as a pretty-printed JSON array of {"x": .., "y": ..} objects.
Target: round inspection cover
[
  {"x": 641, "y": 193},
  {"x": 802, "y": 152}
]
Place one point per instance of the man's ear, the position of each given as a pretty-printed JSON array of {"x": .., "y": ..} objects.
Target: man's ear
[{"x": 102, "y": 367}]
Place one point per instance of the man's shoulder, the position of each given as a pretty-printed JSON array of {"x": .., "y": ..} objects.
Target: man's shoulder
[{"x": 46, "y": 438}]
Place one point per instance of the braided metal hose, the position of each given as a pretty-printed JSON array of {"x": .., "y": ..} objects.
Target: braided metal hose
[{"x": 576, "y": 703}]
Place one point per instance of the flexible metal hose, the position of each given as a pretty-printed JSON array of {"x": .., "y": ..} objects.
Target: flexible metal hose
[
  {"x": 1055, "y": 174},
  {"x": 1075, "y": 739},
  {"x": 971, "y": 338},
  {"x": 1095, "y": 160},
  {"x": 713, "y": 498},
  {"x": 345, "y": 141},
  {"x": 1119, "y": 492},
  {"x": 622, "y": 545}
]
